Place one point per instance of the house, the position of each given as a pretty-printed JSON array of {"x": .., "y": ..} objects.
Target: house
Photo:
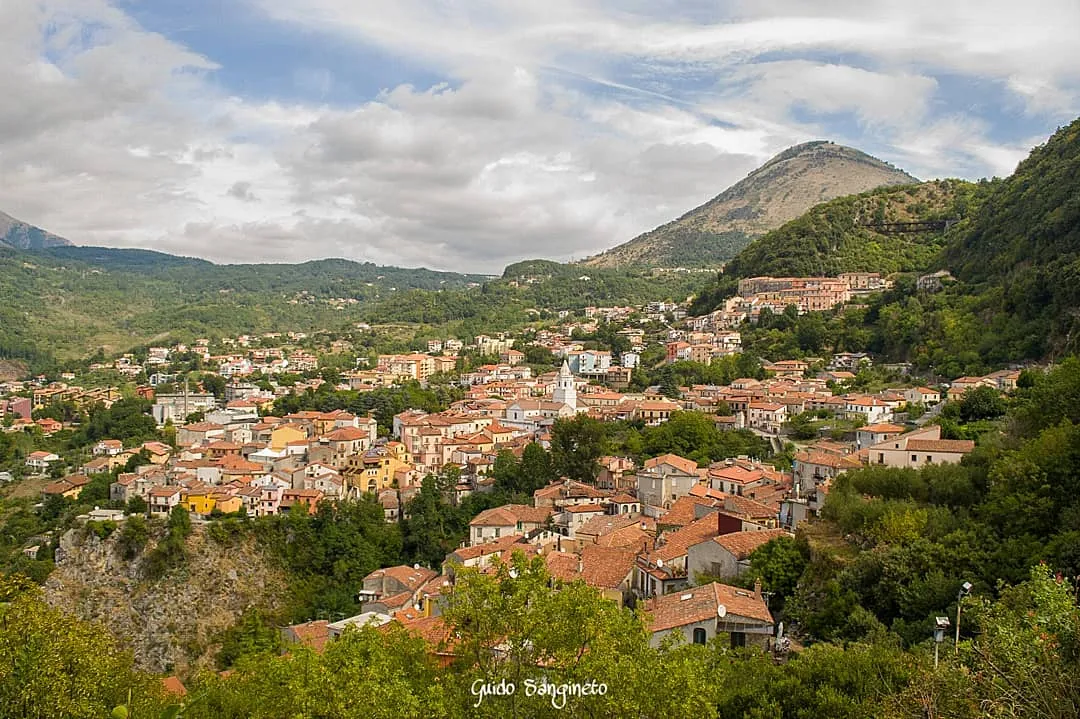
[
  {"x": 922, "y": 395},
  {"x": 69, "y": 487},
  {"x": 565, "y": 493},
  {"x": 870, "y": 409},
  {"x": 728, "y": 555},
  {"x": 39, "y": 461},
  {"x": 766, "y": 416},
  {"x": 108, "y": 448},
  {"x": 666, "y": 478},
  {"x": 393, "y": 581},
  {"x": 300, "y": 500},
  {"x": 960, "y": 385},
  {"x": 508, "y": 519},
  {"x": 815, "y": 467},
  {"x": 49, "y": 426},
  {"x": 701, "y": 613},
  {"x": 664, "y": 569},
  {"x": 163, "y": 499},
  {"x": 919, "y": 448},
  {"x": 871, "y": 434},
  {"x": 609, "y": 569},
  {"x": 313, "y": 635}
]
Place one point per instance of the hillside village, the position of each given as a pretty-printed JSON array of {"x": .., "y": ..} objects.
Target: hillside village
[{"x": 665, "y": 534}]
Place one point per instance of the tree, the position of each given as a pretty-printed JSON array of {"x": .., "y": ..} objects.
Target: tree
[
  {"x": 253, "y": 635},
  {"x": 537, "y": 470},
  {"x": 136, "y": 505},
  {"x": 58, "y": 667},
  {"x": 981, "y": 403},
  {"x": 779, "y": 563},
  {"x": 576, "y": 446}
]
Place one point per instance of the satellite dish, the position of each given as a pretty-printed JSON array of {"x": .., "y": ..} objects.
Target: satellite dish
[
  {"x": 721, "y": 611},
  {"x": 660, "y": 563}
]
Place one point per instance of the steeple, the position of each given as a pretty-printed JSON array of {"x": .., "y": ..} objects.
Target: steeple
[{"x": 564, "y": 387}]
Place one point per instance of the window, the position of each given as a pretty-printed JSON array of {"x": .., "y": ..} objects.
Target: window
[
  {"x": 699, "y": 636},
  {"x": 496, "y": 532},
  {"x": 914, "y": 458}
]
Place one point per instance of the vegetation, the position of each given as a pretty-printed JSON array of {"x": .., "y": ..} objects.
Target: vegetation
[{"x": 1021, "y": 663}]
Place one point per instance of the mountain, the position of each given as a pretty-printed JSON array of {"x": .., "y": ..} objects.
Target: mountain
[
  {"x": 859, "y": 233},
  {"x": 1012, "y": 247},
  {"x": 780, "y": 190},
  {"x": 22, "y": 236},
  {"x": 1021, "y": 253}
]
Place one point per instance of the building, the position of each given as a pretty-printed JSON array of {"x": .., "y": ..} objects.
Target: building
[
  {"x": 499, "y": 522},
  {"x": 702, "y": 613},
  {"x": 666, "y": 478},
  {"x": 565, "y": 392},
  {"x": 175, "y": 408},
  {"x": 39, "y": 461},
  {"x": 728, "y": 555},
  {"x": 919, "y": 448}
]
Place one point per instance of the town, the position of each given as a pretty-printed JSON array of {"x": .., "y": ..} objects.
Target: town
[{"x": 667, "y": 533}]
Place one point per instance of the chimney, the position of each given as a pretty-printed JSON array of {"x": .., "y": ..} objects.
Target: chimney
[{"x": 757, "y": 587}]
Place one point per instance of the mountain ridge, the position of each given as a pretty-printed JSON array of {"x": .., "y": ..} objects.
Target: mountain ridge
[
  {"x": 21, "y": 235},
  {"x": 782, "y": 189}
]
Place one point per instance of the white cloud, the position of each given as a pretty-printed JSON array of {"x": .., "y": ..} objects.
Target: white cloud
[{"x": 563, "y": 127}]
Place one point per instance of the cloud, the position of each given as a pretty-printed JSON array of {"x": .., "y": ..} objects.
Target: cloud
[{"x": 555, "y": 129}]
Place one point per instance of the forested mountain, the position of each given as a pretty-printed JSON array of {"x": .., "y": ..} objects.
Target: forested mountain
[
  {"x": 21, "y": 236},
  {"x": 852, "y": 234},
  {"x": 65, "y": 303},
  {"x": 1015, "y": 253},
  {"x": 780, "y": 190},
  {"x": 1021, "y": 253}
]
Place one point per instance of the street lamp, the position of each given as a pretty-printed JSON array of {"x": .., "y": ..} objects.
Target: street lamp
[
  {"x": 965, "y": 589},
  {"x": 940, "y": 625}
]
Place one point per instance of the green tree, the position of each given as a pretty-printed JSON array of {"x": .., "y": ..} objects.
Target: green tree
[
  {"x": 982, "y": 403},
  {"x": 576, "y": 447}
]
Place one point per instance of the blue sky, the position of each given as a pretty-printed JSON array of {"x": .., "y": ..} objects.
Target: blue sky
[{"x": 467, "y": 134}]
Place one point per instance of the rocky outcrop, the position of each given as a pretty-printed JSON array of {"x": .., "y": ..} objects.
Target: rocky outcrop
[{"x": 170, "y": 624}]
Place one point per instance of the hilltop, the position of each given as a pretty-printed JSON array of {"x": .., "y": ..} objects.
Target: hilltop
[
  {"x": 779, "y": 191},
  {"x": 1013, "y": 252},
  {"x": 21, "y": 236}
]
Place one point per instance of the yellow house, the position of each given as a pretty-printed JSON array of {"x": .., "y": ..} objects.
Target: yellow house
[
  {"x": 374, "y": 470},
  {"x": 200, "y": 501},
  {"x": 204, "y": 501},
  {"x": 282, "y": 434}
]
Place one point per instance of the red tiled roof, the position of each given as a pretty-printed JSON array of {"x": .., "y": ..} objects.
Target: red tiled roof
[
  {"x": 699, "y": 604},
  {"x": 960, "y": 446},
  {"x": 742, "y": 544}
]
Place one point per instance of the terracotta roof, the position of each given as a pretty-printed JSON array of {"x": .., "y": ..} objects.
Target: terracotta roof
[
  {"x": 677, "y": 542},
  {"x": 682, "y": 511},
  {"x": 683, "y": 464},
  {"x": 346, "y": 434},
  {"x": 312, "y": 634},
  {"x": 174, "y": 686},
  {"x": 882, "y": 428},
  {"x": 481, "y": 550},
  {"x": 962, "y": 446},
  {"x": 405, "y": 575},
  {"x": 748, "y": 507},
  {"x": 510, "y": 514},
  {"x": 586, "y": 509},
  {"x": 742, "y": 544},
  {"x": 699, "y": 604}
]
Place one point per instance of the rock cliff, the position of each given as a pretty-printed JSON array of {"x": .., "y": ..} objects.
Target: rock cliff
[{"x": 171, "y": 623}]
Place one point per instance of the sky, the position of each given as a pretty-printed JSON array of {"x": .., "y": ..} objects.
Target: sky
[{"x": 469, "y": 134}]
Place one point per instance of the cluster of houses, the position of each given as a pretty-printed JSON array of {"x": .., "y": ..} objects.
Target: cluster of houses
[{"x": 807, "y": 294}]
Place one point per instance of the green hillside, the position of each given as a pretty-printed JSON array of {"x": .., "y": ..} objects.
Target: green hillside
[
  {"x": 1015, "y": 253},
  {"x": 67, "y": 303}
]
